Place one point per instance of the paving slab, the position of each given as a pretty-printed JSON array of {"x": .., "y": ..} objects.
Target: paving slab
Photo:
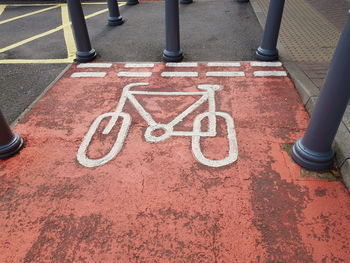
[{"x": 195, "y": 168}]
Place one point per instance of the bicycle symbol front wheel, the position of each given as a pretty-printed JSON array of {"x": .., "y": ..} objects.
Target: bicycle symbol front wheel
[
  {"x": 231, "y": 136},
  {"x": 82, "y": 157}
]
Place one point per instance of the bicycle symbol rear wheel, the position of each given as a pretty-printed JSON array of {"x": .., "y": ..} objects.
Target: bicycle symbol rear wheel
[{"x": 82, "y": 157}]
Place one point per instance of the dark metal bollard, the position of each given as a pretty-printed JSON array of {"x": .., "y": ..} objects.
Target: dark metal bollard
[
  {"x": 115, "y": 19},
  {"x": 172, "y": 52},
  {"x": 314, "y": 150},
  {"x": 268, "y": 51},
  {"x": 10, "y": 142},
  {"x": 84, "y": 51},
  {"x": 186, "y": 2},
  {"x": 132, "y": 2},
  {"x": 242, "y": 1}
]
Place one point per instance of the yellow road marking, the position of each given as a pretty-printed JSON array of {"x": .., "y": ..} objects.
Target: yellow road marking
[
  {"x": 2, "y": 8},
  {"x": 63, "y": 26},
  {"x": 67, "y": 31},
  {"x": 32, "y": 61},
  {"x": 28, "y": 14}
]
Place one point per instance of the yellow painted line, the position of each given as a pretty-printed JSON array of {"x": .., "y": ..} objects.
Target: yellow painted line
[
  {"x": 100, "y": 3},
  {"x": 25, "y": 41},
  {"x": 2, "y": 8},
  {"x": 67, "y": 31},
  {"x": 20, "y": 43},
  {"x": 32, "y": 61},
  {"x": 28, "y": 14},
  {"x": 32, "y": 4}
]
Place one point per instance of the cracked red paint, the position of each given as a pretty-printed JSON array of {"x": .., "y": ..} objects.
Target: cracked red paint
[{"x": 155, "y": 202}]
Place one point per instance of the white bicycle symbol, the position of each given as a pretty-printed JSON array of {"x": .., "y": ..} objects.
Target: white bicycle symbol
[{"x": 207, "y": 94}]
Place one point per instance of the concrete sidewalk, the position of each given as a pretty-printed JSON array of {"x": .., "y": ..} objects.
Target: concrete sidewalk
[{"x": 309, "y": 35}]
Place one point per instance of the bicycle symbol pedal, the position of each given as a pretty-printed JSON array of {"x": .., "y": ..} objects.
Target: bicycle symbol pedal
[{"x": 207, "y": 93}]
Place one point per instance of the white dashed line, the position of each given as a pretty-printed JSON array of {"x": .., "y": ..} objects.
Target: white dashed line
[
  {"x": 135, "y": 74},
  {"x": 181, "y": 65},
  {"x": 179, "y": 74},
  {"x": 95, "y": 65},
  {"x": 265, "y": 64},
  {"x": 88, "y": 75},
  {"x": 270, "y": 74},
  {"x": 139, "y": 65},
  {"x": 224, "y": 64},
  {"x": 225, "y": 74}
]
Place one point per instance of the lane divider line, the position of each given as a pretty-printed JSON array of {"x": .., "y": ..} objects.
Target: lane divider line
[
  {"x": 225, "y": 74},
  {"x": 95, "y": 65},
  {"x": 88, "y": 75},
  {"x": 265, "y": 64},
  {"x": 139, "y": 65},
  {"x": 179, "y": 74},
  {"x": 135, "y": 74},
  {"x": 270, "y": 74},
  {"x": 224, "y": 64},
  {"x": 28, "y": 14},
  {"x": 182, "y": 65}
]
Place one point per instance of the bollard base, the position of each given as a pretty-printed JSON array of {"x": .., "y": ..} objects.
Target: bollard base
[
  {"x": 266, "y": 54},
  {"x": 172, "y": 56},
  {"x": 242, "y": 1},
  {"x": 12, "y": 148},
  {"x": 186, "y": 2},
  {"x": 115, "y": 21},
  {"x": 312, "y": 160},
  {"x": 86, "y": 56},
  {"x": 132, "y": 2}
]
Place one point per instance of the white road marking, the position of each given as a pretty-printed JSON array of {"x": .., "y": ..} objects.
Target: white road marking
[
  {"x": 179, "y": 74},
  {"x": 225, "y": 74},
  {"x": 265, "y": 64},
  {"x": 207, "y": 94},
  {"x": 88, "y": 75},
  {"x": 139, "y": 65},
  {"x": 95, "y": 65},
  {"x": 135, "y": 74},
  {"x": 224, "y": 64},
  {"x": 182, "y": 65},
  {"x": 270, "y": 74}
]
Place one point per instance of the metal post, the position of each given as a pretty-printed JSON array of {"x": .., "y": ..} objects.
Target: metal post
[
  {"x": 115, "y": 19},
  {"x": 242, "y": 1},
  {"x": 314, "y": 150},
  {"x": 172, "y": 52},
  {"x": 268, "y": 51},
  {"x": 186, "y": 2},
  {"x": 10, "y": 142},
  {"x": 84, "y": 51},
  {"x": 132, "y": 2}
]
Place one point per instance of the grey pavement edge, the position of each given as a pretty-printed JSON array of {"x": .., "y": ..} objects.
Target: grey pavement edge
[{"x": 309, "y": 92}]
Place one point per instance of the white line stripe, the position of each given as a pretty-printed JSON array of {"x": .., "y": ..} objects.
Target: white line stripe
[
  {"x": 265, "y": 64},
  {"x": 179, "y": 74},
  {"x": 270, "y": 74},
  {"x": 95, "y": 65},
  {"x": 224, "y": 64},
  {"x": 225, "y": 74},
  {"x": 180, "y": 65},
  {"x": 135, "y": 74},
  {"x": 88, "y": 75},
  {"x": 139, "y": 65}
]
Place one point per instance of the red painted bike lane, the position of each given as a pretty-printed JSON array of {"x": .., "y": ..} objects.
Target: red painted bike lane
[{"x": 195, "y": 168}]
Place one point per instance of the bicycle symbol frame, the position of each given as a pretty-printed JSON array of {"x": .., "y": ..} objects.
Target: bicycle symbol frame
[{"x": 207, "y": 93}]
